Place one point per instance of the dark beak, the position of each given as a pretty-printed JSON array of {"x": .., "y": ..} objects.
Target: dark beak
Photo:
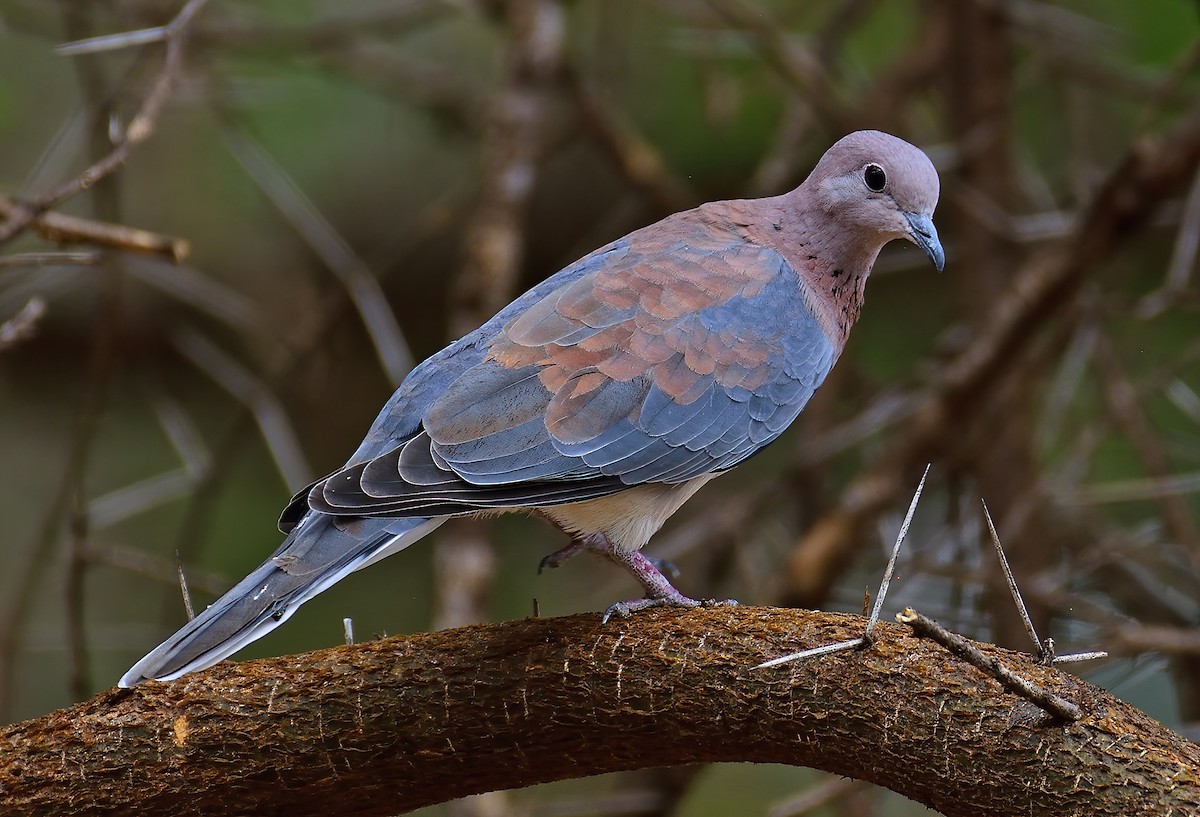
[{"x": 922, "y": 233}]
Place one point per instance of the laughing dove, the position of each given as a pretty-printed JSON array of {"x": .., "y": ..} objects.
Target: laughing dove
[{"x": 605, "y": 396}]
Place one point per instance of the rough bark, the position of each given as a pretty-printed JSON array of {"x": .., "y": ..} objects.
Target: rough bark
[{"x": 392, "y": 725}]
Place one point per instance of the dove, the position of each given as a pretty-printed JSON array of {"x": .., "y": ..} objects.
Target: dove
[{"x": 604, "y": 397}]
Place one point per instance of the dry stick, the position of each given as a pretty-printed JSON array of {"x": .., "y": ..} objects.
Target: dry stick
[
  {"x": 281, "y": 438},
  {"x": 102, "y": 360},
  {"x": 964, "y": 649},
  {"x": 183, "y": 587},
  {"x": 1077, "y": 657},
  {"x": 144, "y": 563},
  {"x": 879, "y": 597},
  {"x": 22, "y": 325},
  {"x": 64, "y": 229},
  {"x": 1183, "y": 258},
  {"x": 1124, "y": 405},
  {"x": 49, "y": 259},
  {"x": 140, "y": 128}
]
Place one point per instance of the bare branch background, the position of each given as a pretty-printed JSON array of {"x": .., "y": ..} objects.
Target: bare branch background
[{"x": 353, "y": 184}]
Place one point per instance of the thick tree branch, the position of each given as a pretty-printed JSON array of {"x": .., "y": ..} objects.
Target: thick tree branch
[{"x": 388, "y": 726}]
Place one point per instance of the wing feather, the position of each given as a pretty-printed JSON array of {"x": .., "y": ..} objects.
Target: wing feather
[{"x": 667, "y": 356}]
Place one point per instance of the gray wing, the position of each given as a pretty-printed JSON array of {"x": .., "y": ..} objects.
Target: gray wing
[{"x": 660, "y": 363}]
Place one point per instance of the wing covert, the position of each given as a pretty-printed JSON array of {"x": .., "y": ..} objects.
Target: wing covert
[{"x": 674, "y": 355}]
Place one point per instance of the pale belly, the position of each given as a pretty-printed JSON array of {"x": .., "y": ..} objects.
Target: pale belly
[{"x": 627, "y": 519}]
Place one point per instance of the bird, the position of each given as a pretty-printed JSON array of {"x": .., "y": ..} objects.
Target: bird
[{"x": 605, "y": 396}]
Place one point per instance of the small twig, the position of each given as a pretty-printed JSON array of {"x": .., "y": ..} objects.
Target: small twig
[
  {"x": 49, "y": 259},
  {"x": 1183, "y": 258},
  {"x": 158, "y": 568},
  {"x": 64, "y": 229},
  {"x": 348, "y": 630},
  {"x": 183, "y": 588},
  {"x": 112, "y": 42},
  {"x": 22, "y": 325},
  {"x": 273, "y": 423},
  {"x": 140, "y": 127},
  {"x": 1137, "y": 489},
  {"x": 925, "y": 627},
  {"x": 140, "y": 496}
]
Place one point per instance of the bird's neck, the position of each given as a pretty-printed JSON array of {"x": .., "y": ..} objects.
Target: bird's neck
[{"x": 833, "y": 264}]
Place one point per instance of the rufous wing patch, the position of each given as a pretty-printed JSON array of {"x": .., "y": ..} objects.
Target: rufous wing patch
[{"x": 636, "y": 319}]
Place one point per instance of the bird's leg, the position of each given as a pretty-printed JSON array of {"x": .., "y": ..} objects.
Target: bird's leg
[
  {"x": 597, "y": 543},
  {"x": 579, "y": 544},
  {"x": 659, "y": 590}
]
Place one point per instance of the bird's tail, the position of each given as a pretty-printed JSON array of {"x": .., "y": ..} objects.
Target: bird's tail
[{"x": 317, "y": 554}]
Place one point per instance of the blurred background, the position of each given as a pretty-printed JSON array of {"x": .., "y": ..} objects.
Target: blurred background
[{"x": 297, "y": 200}]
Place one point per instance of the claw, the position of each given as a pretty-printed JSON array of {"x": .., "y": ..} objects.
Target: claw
[{"x": 624, "y": 608}]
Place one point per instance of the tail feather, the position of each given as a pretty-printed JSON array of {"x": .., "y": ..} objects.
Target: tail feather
[{"x": 318, "y": 553}]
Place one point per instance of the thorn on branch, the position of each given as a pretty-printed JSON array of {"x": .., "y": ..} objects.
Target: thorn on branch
[
  {"x": 1044, "y": 652},
  {"x": 867, "y": 639}
]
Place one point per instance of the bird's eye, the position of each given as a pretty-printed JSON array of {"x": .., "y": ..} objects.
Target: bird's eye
[{"x": 874, "y": 177}]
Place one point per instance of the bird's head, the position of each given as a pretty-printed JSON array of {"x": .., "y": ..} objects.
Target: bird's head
[{"x": 880, "y": 187}]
